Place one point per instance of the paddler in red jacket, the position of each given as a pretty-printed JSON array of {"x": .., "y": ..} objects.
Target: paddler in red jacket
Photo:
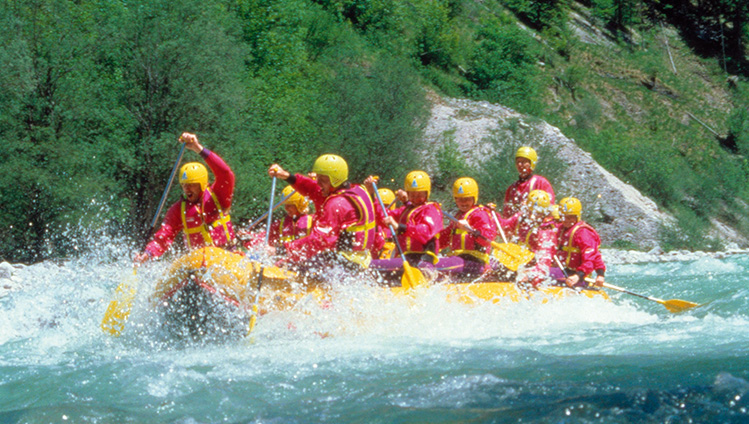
[
  {"x": 203, "y": 213},
  {"x": 343, "y": 226},
  {"x": 417, "y": 223},
  {"x": 297, "y": 222},
  {"x": 467, "y": 252},
  {"x": 517, "y": 192},
  {"x": 578, "y": 245}
]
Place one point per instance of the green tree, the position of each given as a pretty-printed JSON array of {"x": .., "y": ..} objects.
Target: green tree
[{"x": 171, "y": 67}]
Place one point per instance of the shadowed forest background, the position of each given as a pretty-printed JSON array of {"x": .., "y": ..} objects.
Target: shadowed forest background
[{"x": 93, "y": 95}]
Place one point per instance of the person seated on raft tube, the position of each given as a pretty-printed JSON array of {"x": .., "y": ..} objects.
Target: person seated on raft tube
[
  {"x": 468, "y": 254},
  {"x": 203, "y": 213},
  {"x": 535, "y": 228},
  {"x": 343, "y": 226},
  {"x": 578, "y": 246},
  {"x": 525, "y": 162},
  {"x": 417, "y": 224},
  {"x": 384, "y": 247},
  {"x": 297, "y": 222}
]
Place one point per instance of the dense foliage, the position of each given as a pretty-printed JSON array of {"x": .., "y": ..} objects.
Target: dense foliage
[{"x": 94, "y": 93}]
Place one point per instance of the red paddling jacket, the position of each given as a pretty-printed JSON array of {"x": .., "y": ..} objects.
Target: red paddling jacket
[
  {"x": 344, "y": 221},
  {"x": 419, "y": 227},
  {"x": 517, "y": 193},
  {"x": 578, "y": 249},
  {"x": 465, "y": 243},
  {"x": 204, "y": 223}
]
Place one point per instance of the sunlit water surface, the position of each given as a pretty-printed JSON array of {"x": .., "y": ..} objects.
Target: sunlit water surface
[{"x": 372, "y": 358}]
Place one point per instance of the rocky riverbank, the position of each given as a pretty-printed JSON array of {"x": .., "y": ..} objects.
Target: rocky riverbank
[{"x": 617, "y": 210}]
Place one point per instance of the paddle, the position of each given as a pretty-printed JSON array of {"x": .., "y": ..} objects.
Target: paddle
[
  {"x": 673, "y": 305},
  {"x": 499, "y": 227},
  {"x": 270, "y": 210},
  {"x": 265, "y": 214},
  {"x": 508, "y": 254},
  {"x": 253, "y": 319},
  {"x": 412, "y": 277},
  {"x": 119, "y": 308}
]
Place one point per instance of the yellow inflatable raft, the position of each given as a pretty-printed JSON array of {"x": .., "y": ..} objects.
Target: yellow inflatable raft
[{"x": 209, "y": 293}]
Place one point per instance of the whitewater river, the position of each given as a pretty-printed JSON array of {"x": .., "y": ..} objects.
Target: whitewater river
[{"x": 374, "y": 359}]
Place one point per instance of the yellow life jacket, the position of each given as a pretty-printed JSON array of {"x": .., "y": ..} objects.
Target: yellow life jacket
[{"x": 202, "y": 227}]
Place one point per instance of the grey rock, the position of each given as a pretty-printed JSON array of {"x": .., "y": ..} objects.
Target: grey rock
[
  {"x": 656, "y": 251},
  {"x": 6, "y": 270}
]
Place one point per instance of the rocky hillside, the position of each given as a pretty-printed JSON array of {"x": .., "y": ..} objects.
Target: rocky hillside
[{"x": 618, "y": 210}]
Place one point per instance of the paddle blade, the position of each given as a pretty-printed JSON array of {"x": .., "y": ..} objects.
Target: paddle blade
[
  {"x": 119, "y": 308},
  {"x": 412, "y": 277},
  {"x": 253, "y": 319},
  {"x": 511, "y": 255},
  {"x": 678, "y": 305},
  {"x": 275, "y": 273}
]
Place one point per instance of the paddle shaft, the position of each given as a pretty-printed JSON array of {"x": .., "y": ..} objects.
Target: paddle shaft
[
  {"x": 270, "y": 210},
  {"x": 623, "y": 290},
  {"x": 392, "y": 230},
  {"x": 478, "y": 234},
  {"x": 166, "y": 192},
  {"x": 265, "y": 214},
  {"x": 253, "y": 319},
  {"x": 499, "y": 227}
]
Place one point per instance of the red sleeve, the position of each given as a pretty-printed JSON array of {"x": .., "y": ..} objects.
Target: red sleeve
[
  {"x": 590, "y": 257},
  {"x": 509, "y": 194},
  {"x": 481, "y": 222},
  {"x": 169, "y": 229},
  {"x": 445, "y": 235},
  {"x": 223, "y": 186},
  {"x": 509, "y": 224},
  {"x": 337, "y": 212},
  {"x": 308, "y": 187}
]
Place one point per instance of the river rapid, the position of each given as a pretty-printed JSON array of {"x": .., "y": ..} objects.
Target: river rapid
[{"x": 371, "y": 358}]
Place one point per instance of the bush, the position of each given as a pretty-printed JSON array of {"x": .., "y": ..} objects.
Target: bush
[{"x": 503, "y": 67}]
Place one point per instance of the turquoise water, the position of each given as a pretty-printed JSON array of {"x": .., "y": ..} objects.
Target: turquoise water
[{"x": 374, "y": 359}]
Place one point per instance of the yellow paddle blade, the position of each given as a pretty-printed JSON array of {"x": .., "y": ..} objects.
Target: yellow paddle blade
[
  {"x": 276, "y": 273},
  {"x": 678, "y": 305},
  {"x": 511, "y": 255},
  {"x": 119, "y": 308},
  {"x": 412, "y": 277},
  {"x": 253, "y": 319}
]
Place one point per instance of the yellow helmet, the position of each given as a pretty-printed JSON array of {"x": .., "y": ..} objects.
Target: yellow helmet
[
  {"x": 334, "y": 167},
  {"x": 570, "y": 206},
  {"x": 539, "y": 198},
  {"x": 418, "y": 181},
  {"x": 296, "y": 199},
  {"x": 388, "y": 197},
  {"x": 466, "y": 187},
  {"x": 527, "y": 153},
  {"x": 194, "y": 172}
]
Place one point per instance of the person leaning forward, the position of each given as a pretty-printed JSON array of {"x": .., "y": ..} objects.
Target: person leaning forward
[
  {"x": 344, "y": 221},
  {"x": 578, "y": 245},
  {"x": 203, "y": 212}
]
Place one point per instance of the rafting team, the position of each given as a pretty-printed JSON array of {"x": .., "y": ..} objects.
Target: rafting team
[{"x": 350, "y": 229}]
